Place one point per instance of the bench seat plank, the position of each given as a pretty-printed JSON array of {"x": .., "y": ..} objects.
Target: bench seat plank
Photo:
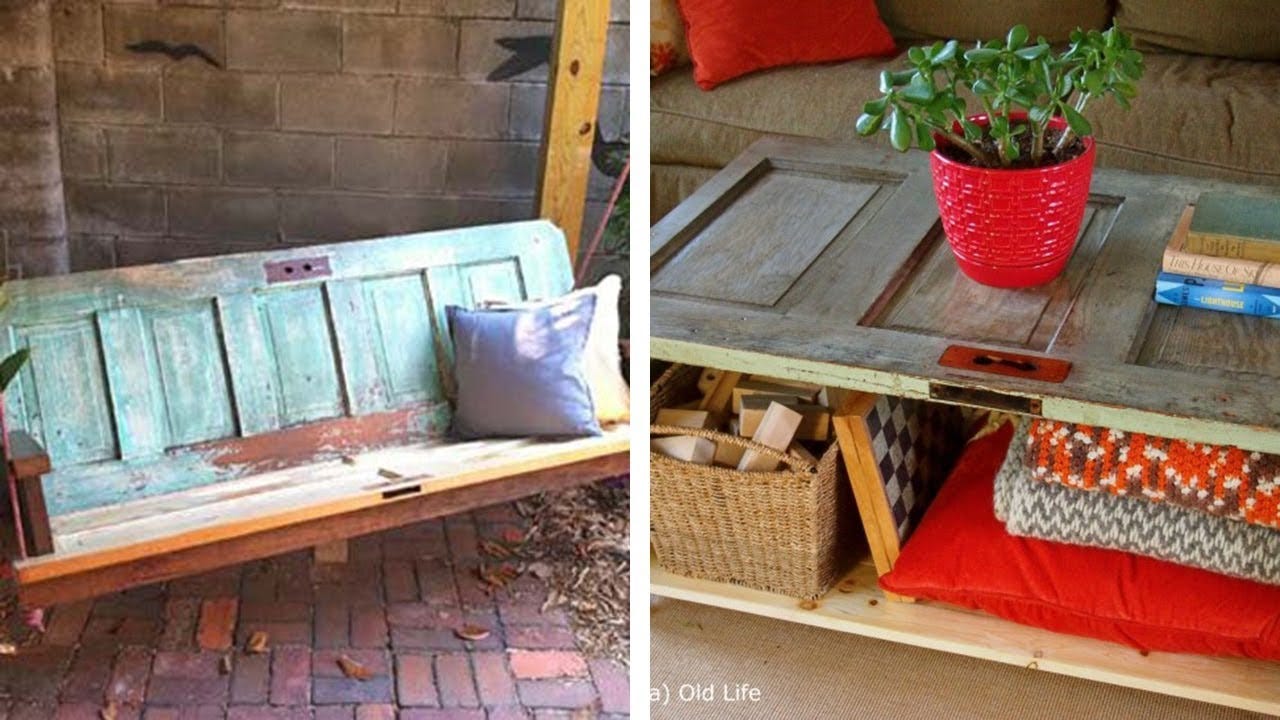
[{"x": 131, "y": 531}]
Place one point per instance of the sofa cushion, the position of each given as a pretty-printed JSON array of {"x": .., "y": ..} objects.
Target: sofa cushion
[
  {"x": 962, "y": 555},
  {"x": 987, "y": 19},
  {"x": 1194, "y": 115},
  {"x": 667, "y": 47},
  {"x": 1245, "y": 29},
  {"x": 729, "y": 38}
]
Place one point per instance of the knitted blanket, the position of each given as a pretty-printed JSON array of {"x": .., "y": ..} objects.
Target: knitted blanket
[
  {"x": 1216, "y": 479},
  {"x": 1166, "y": 532}
]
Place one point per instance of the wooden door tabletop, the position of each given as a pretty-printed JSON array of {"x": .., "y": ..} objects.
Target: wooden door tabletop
[{"x": 826, "y": 262}]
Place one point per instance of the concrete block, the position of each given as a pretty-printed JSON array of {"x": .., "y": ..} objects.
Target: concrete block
[
  {"x": 111, "y": 94},
  {"x": 231, "y": 215},
  {"x": 344, "y": 5},
  {"x": 84, "y": 151},
  {"x": 95, "y": 208},
  {"x": 337, "y": 104},
  {"x": 230, "y": 4},
  {"x": 528, "y": 111},
  {"x": 460, "y": 8},
  {"x": 37, "y": 257},
  {"x": 29, "y": 158},
  {"x": 184, "y": 155},
  {"x": 92, "y": 252},
  {"x": 393, "y": 44},
  {"x": 391, "y": 164},
  {"x": 77, "y": 31},
  {"x": 493, "y": 168},
  {"x": 27, "y": 99},
  {"x": 278, "y": 159},
  {"x": 619, "y": 10},
  {"x": 479, "y": 54},
  {"x": 482, "y": 211},
  {"x": 283, "y": 41},
  {"x": 229, "y": 100},
  {"x": 343, "y": 216},
  {"x": 144, "y": 251},
  {"x": 127, "y": 24},
  {"x": 617, "y": 55},
  {"x": 25, "y": 36},
  {"x": 615, "y": 112},
  {"x": 451, "y": 109},
  {"x": 32, "y": 211}
]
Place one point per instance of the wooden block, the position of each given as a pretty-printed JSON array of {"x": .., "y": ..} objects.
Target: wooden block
[
  {"x": 798, "y": 384},
  {"x": 776, "y": 430},
  {"x": 708, "y": 380},
  {"x": 28, "y": 462},
  {"x": 763, "y": 387},
  {"x": 686, "y": 418},
  {"x": 719, "y": 399},
  {"x": 815, "y": 426},
  {"x": 690, "y": 449},
  {"x": 803, "y": 453},
  {"x": 726, "y": 454}
]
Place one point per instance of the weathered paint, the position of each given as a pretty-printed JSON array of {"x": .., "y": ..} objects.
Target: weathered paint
[{"x": 153, "y": 379}]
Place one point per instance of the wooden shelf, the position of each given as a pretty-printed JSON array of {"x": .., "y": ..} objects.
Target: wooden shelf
[{"x": 1246, "y": 684}]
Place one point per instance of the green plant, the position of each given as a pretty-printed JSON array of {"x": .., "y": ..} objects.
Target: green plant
[
  {"x": 1005, "y": 76},
  {"x": 10, "y": 366}
]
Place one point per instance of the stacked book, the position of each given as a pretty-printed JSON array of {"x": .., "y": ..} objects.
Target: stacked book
[{"x": 1224, "y": 255}]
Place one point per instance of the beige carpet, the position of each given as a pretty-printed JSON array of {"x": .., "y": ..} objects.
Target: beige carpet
[{"x": 806, "y": 672}]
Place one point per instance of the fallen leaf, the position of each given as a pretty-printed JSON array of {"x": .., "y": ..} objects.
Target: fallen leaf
[
  {"x": 257, "y": 643},
  {"x": 472, "y": 632},
  {"x": 108, "y": 712},
  {"x": 353, "y": 669}
]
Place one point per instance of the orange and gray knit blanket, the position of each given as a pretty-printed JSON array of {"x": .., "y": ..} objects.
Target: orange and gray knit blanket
[{"x": 1216, "y": 479}]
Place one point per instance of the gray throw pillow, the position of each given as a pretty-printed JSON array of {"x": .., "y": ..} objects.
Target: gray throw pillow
[{"x": 521, "y": 372}]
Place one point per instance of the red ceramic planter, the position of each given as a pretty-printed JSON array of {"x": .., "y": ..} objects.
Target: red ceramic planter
[{"x": 1012, "y": 228}]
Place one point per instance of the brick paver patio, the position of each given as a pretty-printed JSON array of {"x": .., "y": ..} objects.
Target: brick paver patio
[{"x": 157, "y": 652}]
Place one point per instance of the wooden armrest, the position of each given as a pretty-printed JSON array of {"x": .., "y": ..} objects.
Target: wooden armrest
[
  {"x": 27, "y": 457},
  {"x": 28, "y": 461}
]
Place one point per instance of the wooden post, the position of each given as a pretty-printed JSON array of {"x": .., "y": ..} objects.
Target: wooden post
[{"x": 573, "y": 98}]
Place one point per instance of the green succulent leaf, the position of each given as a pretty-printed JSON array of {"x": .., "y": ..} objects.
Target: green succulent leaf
[
  {"x": 916, "y": 55},
  {"x": 924, "y": 137},
  {"x": 1031, "y": 52},
  {"x": 886, "y": 81},
  {"x": 876, "y": 107},
  {"x": 947, "y": 53},
  {"x": 899, "y": 131},
  {"x": 11, "y": 365},
  {"x": 1017, "y": 37},
  {"x": 919, "y": 90},
  {"x": 868, "y": 123},
  {"x": 981, "y": 56},
  {"x": 1079, "y": 125}
]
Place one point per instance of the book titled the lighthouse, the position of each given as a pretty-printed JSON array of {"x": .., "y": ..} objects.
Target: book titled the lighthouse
[{"x": 1220, "y": 295}]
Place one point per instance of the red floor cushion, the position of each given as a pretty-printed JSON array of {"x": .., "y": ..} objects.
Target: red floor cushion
[
  {"x": 728, "y": 38},
  {"x": 961, "y": 554}
]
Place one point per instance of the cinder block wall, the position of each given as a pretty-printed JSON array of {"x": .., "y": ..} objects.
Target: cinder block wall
[
  {"x": 32, "y": 219},
  {"x": 329, "y": 120}
]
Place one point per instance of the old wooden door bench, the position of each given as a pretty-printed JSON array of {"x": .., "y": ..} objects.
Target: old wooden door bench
[
  {"x": 825, "y": 262},
  {"x": 181, "y": 417}
]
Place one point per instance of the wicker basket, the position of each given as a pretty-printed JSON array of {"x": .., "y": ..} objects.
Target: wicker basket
[{"x": 792, "y": 532}]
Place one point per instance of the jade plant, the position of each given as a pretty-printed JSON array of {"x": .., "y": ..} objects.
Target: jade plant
[{"x": 1006, "y": 77}]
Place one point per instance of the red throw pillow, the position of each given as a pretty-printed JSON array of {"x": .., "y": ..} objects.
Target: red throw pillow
[
  {"x": 961, "y": 554},
  {"x": 728, "y": 38}
]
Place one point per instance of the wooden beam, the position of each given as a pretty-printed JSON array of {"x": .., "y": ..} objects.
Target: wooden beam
[
  {"x": 158, "y": 568},
  {"x": 573, "y": 98},
  {"x": 28, "y": 463}
]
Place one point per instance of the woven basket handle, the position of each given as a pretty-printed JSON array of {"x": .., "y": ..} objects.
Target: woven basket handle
[{"x": 790, "y": 460}]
